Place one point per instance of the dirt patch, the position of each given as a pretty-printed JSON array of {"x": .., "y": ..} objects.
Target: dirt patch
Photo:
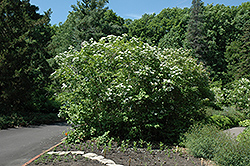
[{"x": 127, "y": 155}]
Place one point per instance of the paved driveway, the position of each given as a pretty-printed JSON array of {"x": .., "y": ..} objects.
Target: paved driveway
[
  {"x": 17, "y": 146},
  {"x": 235, "y": 131}
]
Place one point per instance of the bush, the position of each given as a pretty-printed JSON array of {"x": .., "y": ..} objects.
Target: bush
[
  {"x": 235, "y": 94},
  {"x": 206, "y": 141},
  {"x": 202, "y": 140},
  {"x": 245, "y": 135},
  {"x": 25, "y": 119},
  {"x": 232, "y": 152},
  {"x": 245, "y": 123},
  {"x": 226, "y": 118},
  {"x": 221, "y": 121},
  {"x": 238, "y": 94},
  {"x": 11, "y": 120},
  {"x": 131, "y": 89},
  {"x": 3, "y": 122}
]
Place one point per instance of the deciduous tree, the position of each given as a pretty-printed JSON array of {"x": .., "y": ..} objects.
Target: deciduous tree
[{"x": 89, "y": 19}]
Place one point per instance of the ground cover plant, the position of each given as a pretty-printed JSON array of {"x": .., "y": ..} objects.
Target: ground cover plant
[{"x": 131, "y": 89}]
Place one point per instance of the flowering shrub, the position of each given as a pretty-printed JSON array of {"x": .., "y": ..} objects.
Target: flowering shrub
[
  {"x": 131, "y": 89},
  {"x": 238, "y": 95}
]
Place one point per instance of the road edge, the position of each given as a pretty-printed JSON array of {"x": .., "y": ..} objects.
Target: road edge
[{"x": 36, "y": 157}]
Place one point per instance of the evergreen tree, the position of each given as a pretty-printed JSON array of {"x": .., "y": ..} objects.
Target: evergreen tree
[
  {"x": 24, "y": 71},
  {"x": 195, "y": 32},
  {"x": 244, "y": 65},
  {"x": 238, "y": 55}
]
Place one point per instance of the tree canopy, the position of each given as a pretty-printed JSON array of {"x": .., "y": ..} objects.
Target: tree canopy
[
  {"x": 89, "y": 19},
  {"x": 24, "y": 35}
]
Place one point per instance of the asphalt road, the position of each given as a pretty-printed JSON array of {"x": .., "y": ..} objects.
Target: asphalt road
[{"x": 19, "y": 145}]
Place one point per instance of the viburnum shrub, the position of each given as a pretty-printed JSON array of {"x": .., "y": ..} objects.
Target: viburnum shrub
[
  {"x": 131, "y": 89},
  {"x": 238, "y": 95}
]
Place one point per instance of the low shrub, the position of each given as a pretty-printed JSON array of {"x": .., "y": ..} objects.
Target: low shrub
[
  {"x": 131, "y": 89},
  {"x": 25, "y": 119},
  {"x": 207, "y": 141},
  {"x": 245, "y": 135},
  {"x": 233, "y": 114},
  {"x": 3, "y": 122},
  {"x": 225, "y": 118},
  {"x": 231, "y": 152},
  {"x": 221, "y": 121},
  {"x": 11, "y": 120},
  {"x": 202, "y": 140}
]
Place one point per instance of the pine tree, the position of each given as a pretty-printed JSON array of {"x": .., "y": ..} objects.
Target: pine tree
[
  {"x": 195, "y": 34},
  {"x": 238, "y": 55},
  {"x": 244, "y": 61}
]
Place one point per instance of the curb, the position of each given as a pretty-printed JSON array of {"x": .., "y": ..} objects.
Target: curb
[{"x": 30, "y": 161}]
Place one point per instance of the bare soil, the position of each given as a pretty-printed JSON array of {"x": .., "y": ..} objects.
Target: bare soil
[{"x": 127, "y": 155}]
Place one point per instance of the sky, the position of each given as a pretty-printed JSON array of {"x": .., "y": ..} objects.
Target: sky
[{"x": 132, "y": 9}]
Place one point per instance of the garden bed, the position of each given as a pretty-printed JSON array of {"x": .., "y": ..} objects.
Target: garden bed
[{"x": 124, "y": 154}]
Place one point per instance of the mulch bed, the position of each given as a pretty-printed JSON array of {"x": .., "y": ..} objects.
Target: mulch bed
[{"x": 127, "y": 155}]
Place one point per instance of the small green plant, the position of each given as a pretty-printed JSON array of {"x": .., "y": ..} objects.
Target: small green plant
[
  {"x": 123, "y": 146},
  {"x": 49, "y": 156},
  {"x": 110, "y": 144},
  {"x": 66, "y": 159},
  {"x": 127, "y": 143},
  {"x": 245, "y": 123},
  {"x": 59, "y": 158},
  {"x": 141, "y": 143},
  {"x": 168, "y": 152},
  {"x": 98, "y": 146},
  {"x": 161, "y": 145},
  {"x": 102, "y": 139},
  {"x": 149, "y": 147},
  {"x": 78, "y": 147},
  {"x": 135, "y": 146},
  {"x": 92, "y": 146},
  {"x": 55, "y": 160},
  {"x": 87, "y": 145},
  {"x": 105, "y": 150}
]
